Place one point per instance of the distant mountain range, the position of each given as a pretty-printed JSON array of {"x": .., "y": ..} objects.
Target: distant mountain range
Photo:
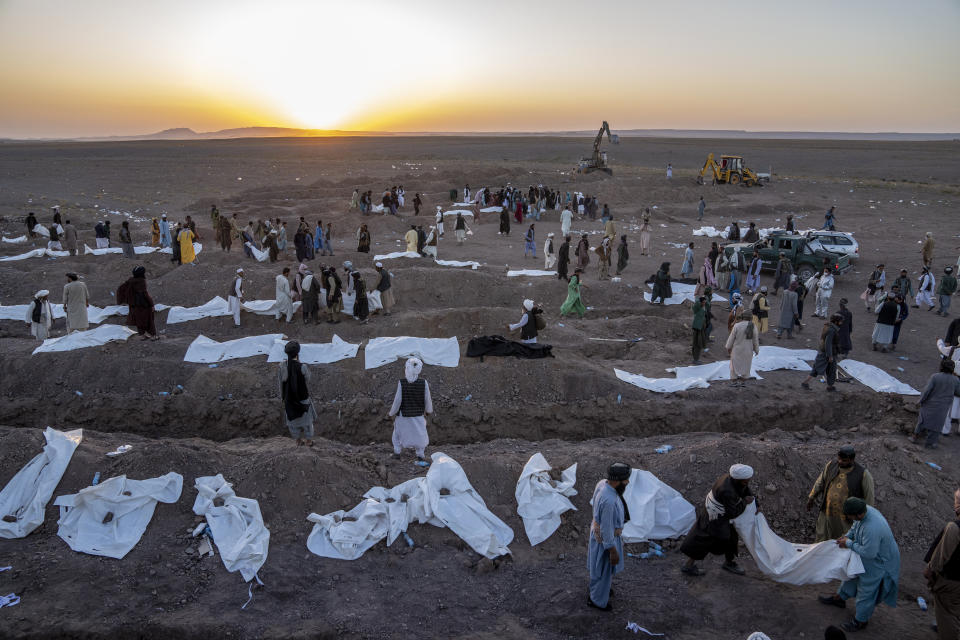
[{"x": 183, "y": 133}]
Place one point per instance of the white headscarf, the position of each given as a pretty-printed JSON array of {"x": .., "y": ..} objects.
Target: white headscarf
[
  {"x": 41, "y": 293},
  {"x": 412, "y": 369},
  {"x": 741, "y": 472},
  {"x": 528, "y": 305},
  {"x": 758, "y": 635}
]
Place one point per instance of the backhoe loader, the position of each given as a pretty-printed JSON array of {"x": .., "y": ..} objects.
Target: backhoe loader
[{"x": 730, "y": 170}]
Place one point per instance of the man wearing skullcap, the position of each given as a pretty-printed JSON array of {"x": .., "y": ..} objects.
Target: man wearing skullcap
[
  {"x": 605, "y": 557},
  {"x": 870, "y": 538},
  {"x": 840, "y": 479},
  {"x": 235, "y": 296},
  {"x": 76, "y": 299},
  {"x": 943, "y": 575},
  {"x": 712, "y": 533},
  {"x": 297, "y": 407},
  {"x": 40, "y": 315},
  {"x": 528, "y": 323},
  {"x": 411, "y": 404}
]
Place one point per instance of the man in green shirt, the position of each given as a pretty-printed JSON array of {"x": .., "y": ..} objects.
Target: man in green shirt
[{"x": 946, "y": 288}]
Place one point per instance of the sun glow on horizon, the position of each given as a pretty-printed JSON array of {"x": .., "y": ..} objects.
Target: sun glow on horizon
[
  {"x": 317, "y": 67},
  {"x": 107, "y": 67}
]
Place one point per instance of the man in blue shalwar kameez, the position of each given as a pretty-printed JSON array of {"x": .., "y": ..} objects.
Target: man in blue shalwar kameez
[
  {"x": 870, "y": 537},
  {"x": 605, "y": 555},
  {"x": 165, "y": 238}
]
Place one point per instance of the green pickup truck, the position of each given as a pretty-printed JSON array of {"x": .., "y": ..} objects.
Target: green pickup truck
[{"x": 806, "y": 260}]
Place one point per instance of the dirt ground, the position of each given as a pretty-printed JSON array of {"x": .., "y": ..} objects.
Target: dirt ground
[{"x": 571, "y": 408}]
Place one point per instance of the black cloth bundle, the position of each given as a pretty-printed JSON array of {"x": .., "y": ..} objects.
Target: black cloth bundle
[{"x": 499, "y": 346}]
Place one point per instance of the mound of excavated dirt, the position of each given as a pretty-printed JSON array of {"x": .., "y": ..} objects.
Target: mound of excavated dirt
[{"x": 441, "y": 583}]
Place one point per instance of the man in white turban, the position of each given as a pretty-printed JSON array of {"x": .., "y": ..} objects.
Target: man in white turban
[
  {"x": 549, "y": 253},
  {"x": 528, "y": 323},
  {"x": 712, "y": 533},
  {"x": 40, "y": 315},
  {"x": 411, "y": 405}
]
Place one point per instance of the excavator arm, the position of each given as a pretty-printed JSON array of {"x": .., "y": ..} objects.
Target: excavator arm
[
  {"x": 711, "y": 166},
  {"x": 597, "y": 160}
]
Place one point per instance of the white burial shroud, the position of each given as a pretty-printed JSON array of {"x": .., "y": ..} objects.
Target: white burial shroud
[
  {"x": 237, "y": 525},
  {"x": 218, "y": 307},
  {"x": 385, "y": 513},
  {"x": 442, "y": 352},
  {"x": 205, "y": 350},
  {"x": 260, "y": 256},
  {"x": 876, "y": 379},
  {"x": 17, "y": 240},
  {"x": 108, "y": 519},
  {"x": 397, "y": 254},
  {"x": 657, "y": 510},
  {"x": 334, "y": 351},
  {"x": 459, "y": 263},
  {"x": 349, "y": 299},
  {"x": 541, "y": 501},
  {"x": 26, "y": 495},
  {"x": 95, "y": 315},
  {"x": 796, "y": 564},
  {"x": 700, "y": 376},
  {"x": 83, "y": 339},
  {"x": 36, "y": 253},
  {"x": 529, "y": 272}
]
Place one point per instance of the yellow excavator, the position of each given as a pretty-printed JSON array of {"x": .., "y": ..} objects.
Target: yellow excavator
[
  {"x": 729, "y": 170},
  {"x": 598, "y": 161}
]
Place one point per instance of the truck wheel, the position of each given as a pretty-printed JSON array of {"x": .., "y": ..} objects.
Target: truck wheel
[
  {"x": 805, "y": 274},
  {"x": 734, "y": 178}
]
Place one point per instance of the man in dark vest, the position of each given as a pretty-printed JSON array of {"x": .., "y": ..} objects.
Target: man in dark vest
[
  {"x": 411, "y": 404},
  {"x": 528, "y": 323},
  {"x": 840, "y": 479},
  {"x": 943, "y": 575}
]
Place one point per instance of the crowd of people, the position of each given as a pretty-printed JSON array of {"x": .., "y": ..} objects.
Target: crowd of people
[
  {"x": 844, "y": 492},
  {"x": 844, "y": 496}
]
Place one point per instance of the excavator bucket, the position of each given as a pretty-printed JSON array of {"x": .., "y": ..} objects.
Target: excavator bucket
[{"x": 614, "y": 138}]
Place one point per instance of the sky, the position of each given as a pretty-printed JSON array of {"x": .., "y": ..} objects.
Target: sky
[{"x": 123, "y": 67}]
